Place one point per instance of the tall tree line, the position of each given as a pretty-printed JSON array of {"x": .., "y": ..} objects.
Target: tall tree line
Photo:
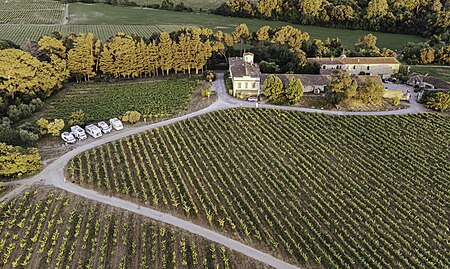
[
  {"x": 423, "y": 17},
  {"x": 55, "y": 59}
]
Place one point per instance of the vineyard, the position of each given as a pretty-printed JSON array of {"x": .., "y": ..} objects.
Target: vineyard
[
  {"x": 313, "y": 189},
  {"x": 31, "y": 12},
  {"x": 104, "y": 101},
  {"x": 52, "y": 229},
  {"x": 20, "y": 34}
]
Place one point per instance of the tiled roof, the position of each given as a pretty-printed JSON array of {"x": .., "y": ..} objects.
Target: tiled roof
[
  {"x": 355, "y": 60},
  {"x": 240, "y": 68}
]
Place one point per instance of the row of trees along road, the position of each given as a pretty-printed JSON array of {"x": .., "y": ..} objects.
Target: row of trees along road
[{"x": 423, "y": 17}]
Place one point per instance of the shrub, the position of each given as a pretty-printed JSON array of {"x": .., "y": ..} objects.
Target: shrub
[
  {"x": 206, "y": 92},
  {"x": 54, "y": 128},
  {"x": 43, "y": 124},
  {"x": 21, "y": 111},
  {"x": 77, "y": 118},
  {"x": 131, "y": 117},
  {"x": 210, "y": 76},
  {"x": 27, "y": 133}
]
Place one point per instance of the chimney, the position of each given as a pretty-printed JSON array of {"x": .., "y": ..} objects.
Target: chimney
[{"x": 248, "y": 57}]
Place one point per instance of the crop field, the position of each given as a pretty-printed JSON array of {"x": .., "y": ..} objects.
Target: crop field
[
  {"x": 31, "y": 12},
  {"x": 104, "y": 101},
  {"x": 170, "y": 21},
  {"x": 46, "y": 228},
  {"x": 316, "y": 190}
]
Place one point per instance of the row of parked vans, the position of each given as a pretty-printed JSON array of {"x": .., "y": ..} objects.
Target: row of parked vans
[{"x": 96, "y": 131}]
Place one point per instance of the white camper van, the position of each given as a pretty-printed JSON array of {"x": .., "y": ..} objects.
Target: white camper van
[
  {"x": 116, "y": 124},
  {"x": 68, "y": 138},
  {"x": 78, "y": 132},
  {"x": 105, "y": 127},
  {"x": 93, "y": 131}
]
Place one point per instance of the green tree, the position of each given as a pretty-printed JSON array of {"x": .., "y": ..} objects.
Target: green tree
[
  {"x": 370, "y": 92},
  {"x": 241, "y": 34},
  {"x": 342, "y": 87},
  {"x": 377, "y": 9},
  {"x": 291, "y": 36},
  {"x": 427, "y": 55},
  {"x": 367, "y": 46},
  {"x": 273, "y": 88},
  {"x": 443, "y": 55},
  {"x": 294, "y": 90},
  {"x": 310, "y": 8},
  {"x": 263, "y": 34},
  {"x": 20, "y": 72},
  {"x": 81, "y": 58},
  {"x": 342, "y": 13},
  {"x": 439, "y": 101},
  {"x": 243, "y": 8},
  {"x": 17, "y": 161},
  {"x": 269, "y": 7},
  {"x": 165, "y": 48}
]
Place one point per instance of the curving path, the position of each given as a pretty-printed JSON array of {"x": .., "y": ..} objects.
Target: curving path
[{"x": 53, "y": 174}]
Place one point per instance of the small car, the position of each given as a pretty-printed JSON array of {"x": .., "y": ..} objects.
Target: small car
[{"x": 105, "y": 127}]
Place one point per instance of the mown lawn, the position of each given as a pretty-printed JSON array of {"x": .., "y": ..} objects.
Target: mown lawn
[
  {"x": 169, "y": 21},
  {"x": 435, "y": 71}
]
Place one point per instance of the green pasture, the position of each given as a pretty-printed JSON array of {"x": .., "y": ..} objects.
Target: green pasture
[
  {"x": 92, "y": 14},
  {"x": 435, "y": 71},
  {"x": 195, "y": 4}
]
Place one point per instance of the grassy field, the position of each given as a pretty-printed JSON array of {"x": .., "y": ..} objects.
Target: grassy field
[
  {"x": 316, "y": 190},
  {"x": 106, "y": 100},
  {"x": 435, "y": 71},
  {"x": 45, "y": 228},
  {"x": 31, "y": 12},
  {"x": 170, "y": 21},
  {"x": 195, "y": 4}
]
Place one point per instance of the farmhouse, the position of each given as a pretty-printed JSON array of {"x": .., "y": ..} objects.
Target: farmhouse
[
  {"x": 428, "y": 82},
  {"x": 248, "y": 81},
  {"x": 379, "y": 66},
  {"x": 245, "y": 75}
]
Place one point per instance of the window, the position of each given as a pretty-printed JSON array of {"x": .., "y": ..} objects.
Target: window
[
  {"x": 246, "y": 85},
  {"x": 324, "y": 67},
  {"x": 354, "y": 67},
  {"x": 254, "y": 85},
  {"x": 368, "y": 67},
  {"x": 239, "y": 85}
]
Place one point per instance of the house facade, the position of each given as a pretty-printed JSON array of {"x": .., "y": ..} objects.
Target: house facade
[
  {"x": 245, "y": 76},
  {"x": 384, "y": 67}
]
